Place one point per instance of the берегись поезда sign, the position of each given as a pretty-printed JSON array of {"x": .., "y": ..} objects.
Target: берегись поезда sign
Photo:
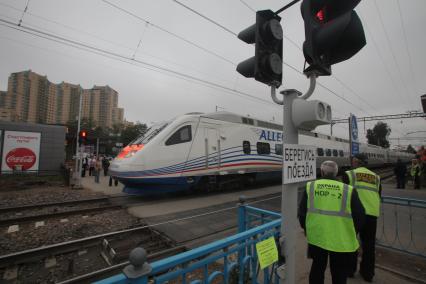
[{"x": 299, "y": 163}]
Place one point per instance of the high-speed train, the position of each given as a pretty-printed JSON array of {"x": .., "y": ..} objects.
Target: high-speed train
[{"x": 200, "y": 151}]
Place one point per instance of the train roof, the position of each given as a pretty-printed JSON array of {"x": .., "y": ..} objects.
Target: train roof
[{"x": 236, "y": 118}]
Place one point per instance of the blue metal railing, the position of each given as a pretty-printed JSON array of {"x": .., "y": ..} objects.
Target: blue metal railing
[
  {"x": 401, "y": 225},
  {"x": 230, "y": 260}
]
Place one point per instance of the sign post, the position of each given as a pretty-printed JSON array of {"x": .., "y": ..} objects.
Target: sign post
[
  {"x": 78, "y": 157},
  {"x": 299, "y": 165},
  {"x": 353, "y": 137},
  {"x": 289, "y": 192}
]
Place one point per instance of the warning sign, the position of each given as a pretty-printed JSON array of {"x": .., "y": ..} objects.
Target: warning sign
[
  {"x": 267, "y": 252},
  {"x": 299, "y": 163}
]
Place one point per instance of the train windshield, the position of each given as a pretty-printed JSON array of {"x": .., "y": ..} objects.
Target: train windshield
[
  {"x": 149, "y": 134},
  {"x": 140, "y": 142}
]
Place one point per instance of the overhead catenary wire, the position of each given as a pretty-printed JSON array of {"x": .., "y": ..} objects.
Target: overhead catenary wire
[
  {"x": 334, "y": 93},
  {"x": 23, "y": 13},
  {"x": 100, "y": 51},
  {"x": 390, "y": 47},
  {"x": 169, "y": 32},
  {"x": 293, "y": 68},
  {"x": 205, "y": 17},
  {"x": 247, "y": 5},
  {"x": 140, "y": 41},
  {"x": 406, "y": 44},
  {"x": 395, "y": 87},
  {"x": 132, "y": 49}
]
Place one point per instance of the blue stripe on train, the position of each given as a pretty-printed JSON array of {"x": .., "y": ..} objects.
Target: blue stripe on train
[{"x": 153, "y": 186}]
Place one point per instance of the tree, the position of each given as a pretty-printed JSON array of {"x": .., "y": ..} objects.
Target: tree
[
  {"x": 131, "y": 132},
  {"x": 411, "y": 150},
  {"x": 379, "y": 135}
]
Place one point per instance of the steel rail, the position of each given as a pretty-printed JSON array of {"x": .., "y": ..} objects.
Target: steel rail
[
  {"x": 94, "y": 275},
  {"x": 25, "y": 219},
  {"x": 35, "y": 254},
  {"x": 62, "y": 203}
]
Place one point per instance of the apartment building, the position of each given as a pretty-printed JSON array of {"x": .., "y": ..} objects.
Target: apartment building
[{"x": 33, "y": 98}]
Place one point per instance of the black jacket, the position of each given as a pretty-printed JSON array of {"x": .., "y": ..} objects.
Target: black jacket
[
  {"x": 358, "y": 212},
  {"x": 400, "y": 169}
]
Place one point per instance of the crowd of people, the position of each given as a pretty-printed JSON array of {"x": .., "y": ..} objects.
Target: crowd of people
[
  {"x": 95, "y": 165},
  {"x": 416, "y": 173}
]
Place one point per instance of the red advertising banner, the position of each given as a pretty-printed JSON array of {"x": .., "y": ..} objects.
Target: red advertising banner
[{"x": 21, "y": 151}]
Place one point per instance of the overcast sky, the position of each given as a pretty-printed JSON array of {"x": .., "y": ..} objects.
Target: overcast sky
[{"x": 386, "y": 77}]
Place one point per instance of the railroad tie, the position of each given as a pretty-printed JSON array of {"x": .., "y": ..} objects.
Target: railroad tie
[
  {"x": 10, "y": 273},
  {"x": 13, "y": 229}
]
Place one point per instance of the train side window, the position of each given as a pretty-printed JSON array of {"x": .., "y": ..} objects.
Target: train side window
[
  {"x": 246, "y": 147},
  {"x": 335, "y": 154},
  {"x": 341, "y": 154},
  {"x": 182, "y": 135},
  {"x": 263, "y": 148},
  {"x": 279, "y": 149},
  {"x": 320, "y": 152},
  {"x": 328, "y": 152}
]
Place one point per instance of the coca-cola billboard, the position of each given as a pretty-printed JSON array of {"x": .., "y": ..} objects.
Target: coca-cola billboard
[{"x": 20, "y": 151}]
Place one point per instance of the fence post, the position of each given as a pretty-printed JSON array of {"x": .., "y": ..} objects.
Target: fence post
[
  {"x": 242, "y": 214},
  {"x": 242, "y": 226},
  {"x": 138, "y": 269}
]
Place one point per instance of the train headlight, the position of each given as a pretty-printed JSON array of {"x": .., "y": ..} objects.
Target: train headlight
[{"x": 130, "y": 150}]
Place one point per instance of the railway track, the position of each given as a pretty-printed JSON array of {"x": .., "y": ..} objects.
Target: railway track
[
  {"x": 24, "y": 214},
  {"x": 106, "y": 252},
  {"x": 53, "y": 215},
  {"x": 62, "y": 203}
]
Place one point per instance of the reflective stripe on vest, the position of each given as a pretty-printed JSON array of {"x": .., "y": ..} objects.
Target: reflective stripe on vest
[
  {"x": 371, "y": 188},
  {"x": 341, "y": 213},
  {"x": 329, "y": 223}
]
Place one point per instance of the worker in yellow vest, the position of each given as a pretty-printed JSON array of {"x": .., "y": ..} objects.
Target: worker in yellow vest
[
  {"x": 416, "y": 172},
  {"x": 368, "y": 186},
  {"x": 331, "y": 214}
]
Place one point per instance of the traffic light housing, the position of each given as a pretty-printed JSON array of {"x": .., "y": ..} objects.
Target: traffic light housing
[
  {"x": 267, "y": 35},
  {"x": 333, "y": 33},
  {"x": 307, "y": 115},
  {"x": 82, "y": 137}
]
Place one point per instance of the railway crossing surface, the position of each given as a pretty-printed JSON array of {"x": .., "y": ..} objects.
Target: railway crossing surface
[{"x": 195, "y": 220}]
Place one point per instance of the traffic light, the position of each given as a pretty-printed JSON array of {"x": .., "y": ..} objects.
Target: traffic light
[
  {"x": 333, "y": 33},
  {"x": 267, "y": 34},
  {"x": 82, "y": 137}
]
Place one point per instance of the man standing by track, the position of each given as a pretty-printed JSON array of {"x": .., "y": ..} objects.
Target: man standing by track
[
  {"x": 368, "y": 186},
  {"x": 331, "y": 214}
]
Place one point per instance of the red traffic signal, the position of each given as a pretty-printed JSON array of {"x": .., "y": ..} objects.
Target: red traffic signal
[
  {"x": 82, "y": 137},
  {"x": 333, "y": 33}
]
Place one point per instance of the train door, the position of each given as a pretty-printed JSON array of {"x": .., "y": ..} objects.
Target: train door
[{"x": 212, "y": 148}]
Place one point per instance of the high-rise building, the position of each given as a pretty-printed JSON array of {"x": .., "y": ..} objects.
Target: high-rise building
[{"x": 33, "y": 98}]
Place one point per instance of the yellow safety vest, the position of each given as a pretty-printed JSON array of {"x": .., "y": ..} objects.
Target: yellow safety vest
[
  {"x": 413, "y": 170},
  {"x": 367, "y": 184},
  {"x": 329, "y": 223}
]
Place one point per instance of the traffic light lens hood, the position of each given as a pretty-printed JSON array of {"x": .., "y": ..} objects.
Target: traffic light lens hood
[
  {"x": 274, "y": 63},
  {"x": 272, "y": 30}
]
